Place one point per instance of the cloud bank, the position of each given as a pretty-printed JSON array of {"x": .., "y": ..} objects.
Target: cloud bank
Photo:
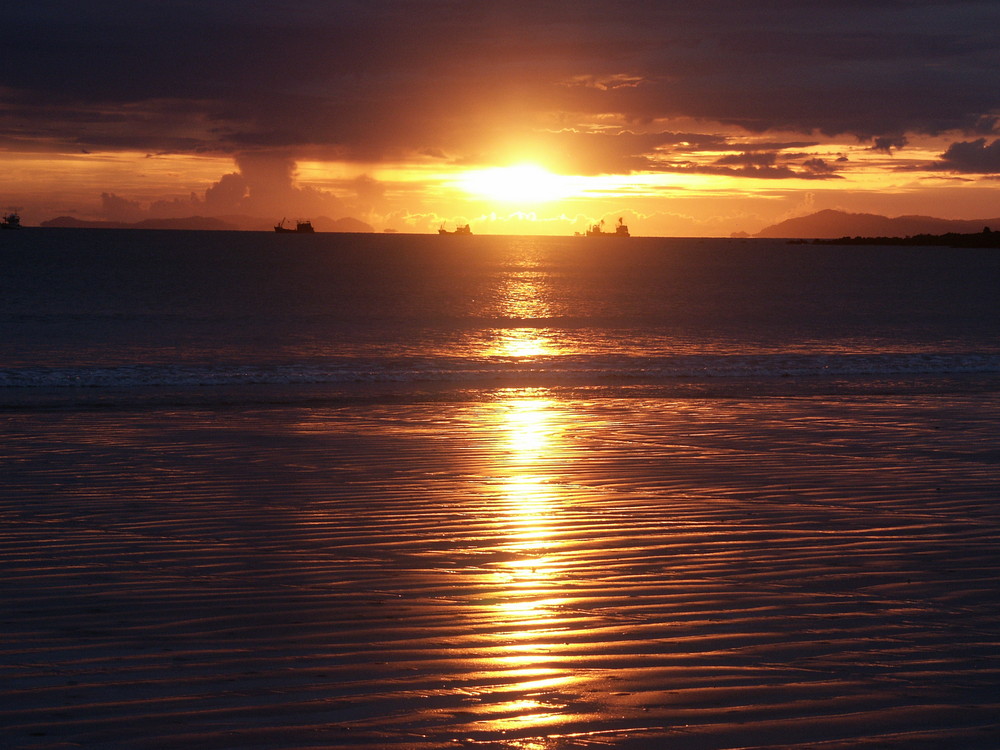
[
  {"x": 583, "y": 82},
  {"x": 972, "y": 157},
  {"x": 264, "y": 185}
]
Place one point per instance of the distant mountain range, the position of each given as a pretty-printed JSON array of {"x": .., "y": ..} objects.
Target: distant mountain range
[
  {"x": 191, "y": 222},
  {"x": 831, "y": 224},
  {"x": 231, "y": 223}
]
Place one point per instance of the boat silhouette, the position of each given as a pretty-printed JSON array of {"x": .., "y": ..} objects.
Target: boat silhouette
[
  {"x": 458, "y": 230},
  {"x": 302, "y": 226},
  {"x": 597, "y": 230},
  {"x": 11, "y": 220}
]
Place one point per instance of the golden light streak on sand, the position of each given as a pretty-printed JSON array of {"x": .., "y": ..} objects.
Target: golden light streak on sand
[
  {"x": 528, "y": 434},
  {"x": 794, "y": 572},
  {"x": 527, "y": 616}
]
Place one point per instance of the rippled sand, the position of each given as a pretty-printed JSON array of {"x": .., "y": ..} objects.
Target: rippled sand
[{"x": 529, "y": 572}]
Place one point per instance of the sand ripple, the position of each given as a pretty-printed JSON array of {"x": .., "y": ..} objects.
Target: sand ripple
[{"x": 523, "y": 573}]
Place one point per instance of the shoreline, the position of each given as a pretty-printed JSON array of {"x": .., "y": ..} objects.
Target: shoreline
[
  {"x": 24, "y": 398},
  {"x": 985, "y": 239}
]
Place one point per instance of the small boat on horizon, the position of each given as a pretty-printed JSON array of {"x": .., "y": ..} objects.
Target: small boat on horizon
[
  {"x": 597, "y": 230},
  {"x": 302, "y": 226},
  {"x": 458, "y": 230},
  {"x": 11, "y": 220}
]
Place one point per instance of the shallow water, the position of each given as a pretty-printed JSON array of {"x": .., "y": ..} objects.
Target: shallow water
[{"x": 526, "y": 572}]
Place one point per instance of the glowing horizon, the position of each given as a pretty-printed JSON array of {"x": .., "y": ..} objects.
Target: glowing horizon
[{"x": 700, "y": 198}]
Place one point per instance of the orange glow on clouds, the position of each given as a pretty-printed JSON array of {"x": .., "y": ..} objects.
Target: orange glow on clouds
[{"x": 680, "y": 196}]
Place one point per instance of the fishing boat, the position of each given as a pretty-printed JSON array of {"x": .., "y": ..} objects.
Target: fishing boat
[
  {"x": 302, "y": 226},
  {"x": 458, "y": 230},
  {"x": 597, "y": 230},
  {"x": 11, "y": 220}
]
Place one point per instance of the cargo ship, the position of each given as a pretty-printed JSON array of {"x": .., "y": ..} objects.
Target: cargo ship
[
  {"x": 597, "y": 230},
  {"x": 11, "y": 220},
  {"x": 458, "y": 230},
  {"x": 302, "y": 226}
]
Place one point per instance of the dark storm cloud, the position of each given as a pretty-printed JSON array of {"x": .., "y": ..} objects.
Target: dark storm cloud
[
  {"x": 757, "y": 164},
  {"x": 613, "y": 151},
  {"x": 886, "y": 143},
  {"x": 760, "y": 172},
  {"x": 972, "y": 157},
  {"x": 818, "y": 166},
  {"x": 266, "y": 182},
  {"x": 465, "y": 80},
  {"x": 755, "y": 159}
]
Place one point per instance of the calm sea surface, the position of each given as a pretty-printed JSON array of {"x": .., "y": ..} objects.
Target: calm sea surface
[{"x": 408, "y": 314}]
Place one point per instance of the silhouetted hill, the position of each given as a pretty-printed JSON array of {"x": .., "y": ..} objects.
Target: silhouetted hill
[
  {"x": 346, "y": 224},
  {"x": 831, "y": 224},
  {"x": 191, "y": 222},
  {"x": 230, "y": 223}
]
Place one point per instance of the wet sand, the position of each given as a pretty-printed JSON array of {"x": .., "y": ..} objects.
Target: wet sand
[{"x": 529, "y": 572}]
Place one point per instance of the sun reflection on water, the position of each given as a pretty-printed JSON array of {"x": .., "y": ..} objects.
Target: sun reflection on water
[
  {"x": 521, "y": 301},
  {"x": 521, "y": 343},
  {"x": 529, "y": 600},
  {"x": 523, "y": 294}
]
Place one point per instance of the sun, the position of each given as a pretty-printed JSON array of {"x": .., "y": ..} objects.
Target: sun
[{"x": 519, "y": 184}]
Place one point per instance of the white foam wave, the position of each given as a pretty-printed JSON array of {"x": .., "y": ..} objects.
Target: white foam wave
[{"x": 578, "y": 369}]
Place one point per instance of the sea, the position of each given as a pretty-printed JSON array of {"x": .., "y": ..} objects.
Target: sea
[
  {"x": 422, "y": 492},
  {"x": 120, "y": 315}
]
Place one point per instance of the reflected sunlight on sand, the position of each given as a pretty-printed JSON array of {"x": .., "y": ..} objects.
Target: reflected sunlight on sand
[{"x": 530, "y": 580}]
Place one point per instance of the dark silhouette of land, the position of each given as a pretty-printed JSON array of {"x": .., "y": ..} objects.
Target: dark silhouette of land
[
  {"x": 230, "y": 223},
  {"x": 985, "y": 238},
  {"x": 830, "y": 224},
  {"x": 192, "y": 222}
]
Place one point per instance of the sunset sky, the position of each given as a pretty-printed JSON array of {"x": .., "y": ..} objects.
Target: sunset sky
[{"x": 686, "y": 118}]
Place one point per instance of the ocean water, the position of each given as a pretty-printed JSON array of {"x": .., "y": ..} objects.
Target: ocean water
[
  {"x": 85, "y": 313},
  {"x": 420, "y": 492}
]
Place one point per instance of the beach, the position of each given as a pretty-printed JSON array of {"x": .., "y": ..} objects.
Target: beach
[{"x": 523, "y": 570}]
